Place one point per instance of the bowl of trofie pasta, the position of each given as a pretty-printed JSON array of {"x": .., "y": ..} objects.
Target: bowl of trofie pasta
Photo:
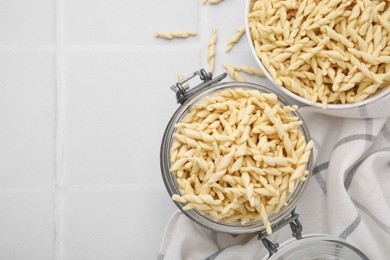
[
  {"x": 333, "y": 55},
  {"x": 235, "y": 157}
]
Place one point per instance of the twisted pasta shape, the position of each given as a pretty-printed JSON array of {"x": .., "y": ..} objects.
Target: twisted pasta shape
[
  {"x": 180, "y": 76},
  {"x": 233, "y": 73},
  {"x": 250, "y": 70},
  {"x": 236, "y": 37},
  {"x": 174, "y": 34},
  {"x": 211, "y": 47},
  {"x": 214, "y": 2}
]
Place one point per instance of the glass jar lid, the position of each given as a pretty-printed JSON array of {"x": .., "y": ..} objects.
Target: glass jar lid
[{"x": 317, "y": 246}]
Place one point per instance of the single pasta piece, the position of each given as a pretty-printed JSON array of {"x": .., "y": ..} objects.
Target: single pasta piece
[
  {"x": 236, "y": 37},
  {"x": 233, "y": 71},
  {"x": 211, "y": 50},
  {"x": 174, "y": 34},
  {"x": 250, "y": 70},
  {"x": 180, "y": 76},
  {"x": 238, "y": 156},
  {"x": 214, "y": 2}
]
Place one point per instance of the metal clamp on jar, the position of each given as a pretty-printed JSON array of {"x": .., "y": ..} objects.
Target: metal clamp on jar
[
  {"x": 300, "y": 247},
  {"x": 312, "y": 246}
]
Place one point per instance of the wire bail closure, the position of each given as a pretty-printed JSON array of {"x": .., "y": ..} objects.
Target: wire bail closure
[
  {"x": 296, "y": 228},
  {"x": 183, "y": 92}
]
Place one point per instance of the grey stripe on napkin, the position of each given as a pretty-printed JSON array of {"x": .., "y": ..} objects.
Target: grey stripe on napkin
[
  {"x": 351, "y": 227},
  {"x": 386, "y": 133},
  {"x": 214, "y": 237},
  {"x": 369, "y": 126},
  {"x": 316, "y": 173},
  {"x": 213, "y": 256},
  {"x": 367, "y": 137},
  {"x": 369, "y": 121},
  {"x": 321, "y": 167}
]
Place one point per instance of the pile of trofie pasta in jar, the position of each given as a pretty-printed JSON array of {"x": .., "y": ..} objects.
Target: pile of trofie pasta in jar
[
  {"x": 331, "y": 51},
  {"x": 238, "y": 155}
]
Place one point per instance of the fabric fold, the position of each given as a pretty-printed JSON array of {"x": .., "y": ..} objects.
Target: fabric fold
[{"x": 348, "y": 196}]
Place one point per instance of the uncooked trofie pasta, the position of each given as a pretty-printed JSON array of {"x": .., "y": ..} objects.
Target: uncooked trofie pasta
[
  {"x": 233, "y": 71},
  {"x": 174, "y": 34},
  {"x": 180, "y": 76},
  {"x": 236, "y": 37},
  {"x": 237, "y": 156},
  {"x": 211, "y": 50},
  {"x": 214, "y": 2},
  {"x": 333, "y": 51}
]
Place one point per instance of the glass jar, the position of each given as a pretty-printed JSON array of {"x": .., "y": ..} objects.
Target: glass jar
[
  {"x": 190, "y": 97},
  {"x": 317, "y": 246}
]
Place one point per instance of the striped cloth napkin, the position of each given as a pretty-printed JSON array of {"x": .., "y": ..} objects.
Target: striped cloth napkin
[{"x": 348, "y": 195}]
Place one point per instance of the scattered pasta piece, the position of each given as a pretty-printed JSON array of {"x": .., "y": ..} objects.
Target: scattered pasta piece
[
  {"x": 211, "y": 48},
  {"x": 250, "y": 70},
  {"x": 236, "y": 37},
  {"x": 174, "y": 34},
  {"x": 324, "y": 51},
  {"x": 233, "y": 74},
  {"x": 214, "y": 2},
  {"x": 233, "y": 71},
  {"x": 180, "y": 76},
  {"x": 238, "y": 155}
]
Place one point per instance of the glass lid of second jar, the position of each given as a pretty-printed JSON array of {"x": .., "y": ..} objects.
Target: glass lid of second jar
[{"x": 317, "y": 246}]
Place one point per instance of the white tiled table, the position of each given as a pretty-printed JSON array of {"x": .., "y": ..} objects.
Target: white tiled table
[{"x": 84, "y": 100}]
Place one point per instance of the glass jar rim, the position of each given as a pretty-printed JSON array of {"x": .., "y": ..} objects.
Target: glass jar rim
[
  {"x": 170, "y": 180},
  {"x": 316, "y": 245}
]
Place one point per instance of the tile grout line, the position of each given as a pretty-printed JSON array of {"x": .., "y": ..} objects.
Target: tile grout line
[
  {"x": 43, "y": 188},
  {"x": 200, "y": 33},
  {"x": 59, "y": 152},
  {"x": 112, "y": 187},
  {"x": 100, "y": 47},
  {"x": 85, "y": 187},
  {"x": 128, "y": 48},
  {"x": 38, "y": 47}
]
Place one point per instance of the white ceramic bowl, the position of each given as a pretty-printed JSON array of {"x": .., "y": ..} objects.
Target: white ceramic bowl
[{"x": 373, "y": 106}]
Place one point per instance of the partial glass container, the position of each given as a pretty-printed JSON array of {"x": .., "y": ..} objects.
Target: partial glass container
[
  {"x": 209, "y": 87},
  {"x": 316, "y": 246}
]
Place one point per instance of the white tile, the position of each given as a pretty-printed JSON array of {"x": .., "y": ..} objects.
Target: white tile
[
  {"x": 127, "y": 22},
  {"x": 126, "y": 224},
  {"x": 117, "y": 107},
  {"x": 27, "y": 116},
  {"x": 27, "y": 225},
  {"x": 27, "y": 22}
]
